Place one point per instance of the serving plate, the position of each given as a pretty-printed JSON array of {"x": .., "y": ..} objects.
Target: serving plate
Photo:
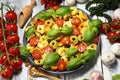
[{"x": 25, "y": 41}]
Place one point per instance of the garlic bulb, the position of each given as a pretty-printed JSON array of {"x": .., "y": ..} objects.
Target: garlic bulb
[
  {"x": 117, "y": 13},
  {"x": 108, "y": 58},
  {"x": 115, "y": 48},
  {"x": 81, "y": 1},
  {"x": 96, "y": 75},
  {"x": 70, "y": 2}
]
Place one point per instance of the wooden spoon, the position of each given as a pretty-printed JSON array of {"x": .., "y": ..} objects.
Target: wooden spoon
[
  {"x": 25, "y": 13},
  {"x": 37, "y": 73}
]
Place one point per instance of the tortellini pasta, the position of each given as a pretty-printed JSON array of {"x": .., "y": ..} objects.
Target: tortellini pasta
[{"x": 62, "y": 42}]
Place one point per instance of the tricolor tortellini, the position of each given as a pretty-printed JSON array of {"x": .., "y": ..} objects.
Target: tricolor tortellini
[{"x": 62, "y": 41}]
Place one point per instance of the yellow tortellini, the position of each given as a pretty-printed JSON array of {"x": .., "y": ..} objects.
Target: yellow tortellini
[
  {"x": 40, "y": 29},
  {"x": 61, "y": 51}
]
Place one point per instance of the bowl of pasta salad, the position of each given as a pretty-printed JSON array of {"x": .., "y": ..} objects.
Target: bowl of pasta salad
[{"x": 61, "y": 40}]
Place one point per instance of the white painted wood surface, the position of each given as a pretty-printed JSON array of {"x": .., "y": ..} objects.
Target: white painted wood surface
[{"x": 96, "y": 64}]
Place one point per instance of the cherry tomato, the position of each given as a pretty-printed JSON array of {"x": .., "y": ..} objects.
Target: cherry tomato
[
  {"x": 76, "y": 21},
  {"x": 11, "y": 17},
  {"x": 48, "y": 49},
  {"x": 105, "y": 28},
  {"x": 61, "y": 65},
  {"x": 65, "y": 40},
  {"x": 6, "y": 72},
  {"x": 56, "y": 7},
  {"x": 34, "y": 40},
  {"x": 14, "y": 51},
  {"x": 2, "y": 21},
  {"x": 112, "y": 36},
  {"x": 13, "y": 38},
  {"x": 96, "y": 40},
  {"x": 115, "y": 24},
  {"x": 16, "y": 63},
  {"x": 76, "y": 31},
  {"x": 36, "y": 54},
  {"x": 2, "y": 46},
  {"x": 118, "y": 36},
  {"x": 39, "y": 22},
  {"x": 3, "y": 59},
  {"x": 1, "y": 34},
  {"x": 59, "y": 22},
  {"x": 82, "y": 47},
  {"x": 43, "y": 1},
  {"x": 12, "y": 28}
]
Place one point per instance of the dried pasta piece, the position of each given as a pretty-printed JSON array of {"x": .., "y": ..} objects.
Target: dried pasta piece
[
  {"x": 92, "y": 46},
  {"x": 37, "y": 34},
  {"x": 74, "y": 39},
  {"x": 53, "y": 68},
  {"x": 65, "y": 58},
  {"x": 83, "y": 26},
  {"x": 74, "y": 10},
  {"x": 40, "y": 29},
  {"x": 38, "y": 62},
  {"x": 67, "y": 23},
  {"x": 43, "y": 38},
  {"x": 42, "y": 44},
  {"x": 49, "y": 22},
  {"x": 61, "y": 51},
  {"x": 80, "y": 37},
  {"x": 29, "y": 47},
  {"x": 54, "y": 44},
  {"x": 55, "y": 26},
  {"x": 66, "y": 17},
  {"x": 82, "y": 15},
  {"x": 43, "y": 56}
]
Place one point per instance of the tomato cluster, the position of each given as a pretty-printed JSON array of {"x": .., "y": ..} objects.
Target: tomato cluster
[
  {"x": 10, "y": 60},
  {"x": 112, "y": 30},
  {"x": 50, "y": 3}
]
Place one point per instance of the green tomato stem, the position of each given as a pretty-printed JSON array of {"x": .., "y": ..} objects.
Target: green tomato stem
[{"x": 4, "y": 39}]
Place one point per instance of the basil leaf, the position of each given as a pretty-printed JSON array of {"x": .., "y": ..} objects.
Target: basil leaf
[
  {"x": 29, "y": 32},
  {"x": 24, "y": 51},
  {"x": 63, "y": 11},
  {"x": 116, "y": 77}
]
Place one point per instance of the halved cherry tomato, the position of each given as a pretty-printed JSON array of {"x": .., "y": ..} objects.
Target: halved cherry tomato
[
  {"x": 61, "y": 65},
  {"x": 39, "y": 22},
  {"x": 48, "y": 49},
  {"x": 82, "y": 47},
  {"x": 76, "y": 21},
  {"x": 36, "y": 54},
  {"x": 6, "y": 72},
  {"x": 59, "y": 22},
  {"x": 55, "y": 7},
  {"x": 65, "y": 40},
  {"x": 34, "y": 40},
  {"x": 76, "y": 31},
  {"x": 16, "y": 63}
]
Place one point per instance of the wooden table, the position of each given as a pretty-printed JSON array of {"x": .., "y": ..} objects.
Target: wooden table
[{"x": 78, "y": 75}]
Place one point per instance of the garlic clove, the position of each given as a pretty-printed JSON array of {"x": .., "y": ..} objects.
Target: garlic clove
[
  {"x": 108, "y": 58},
  {"x": 70, "y": 2},
  {"x": 115, "y": 48}
]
